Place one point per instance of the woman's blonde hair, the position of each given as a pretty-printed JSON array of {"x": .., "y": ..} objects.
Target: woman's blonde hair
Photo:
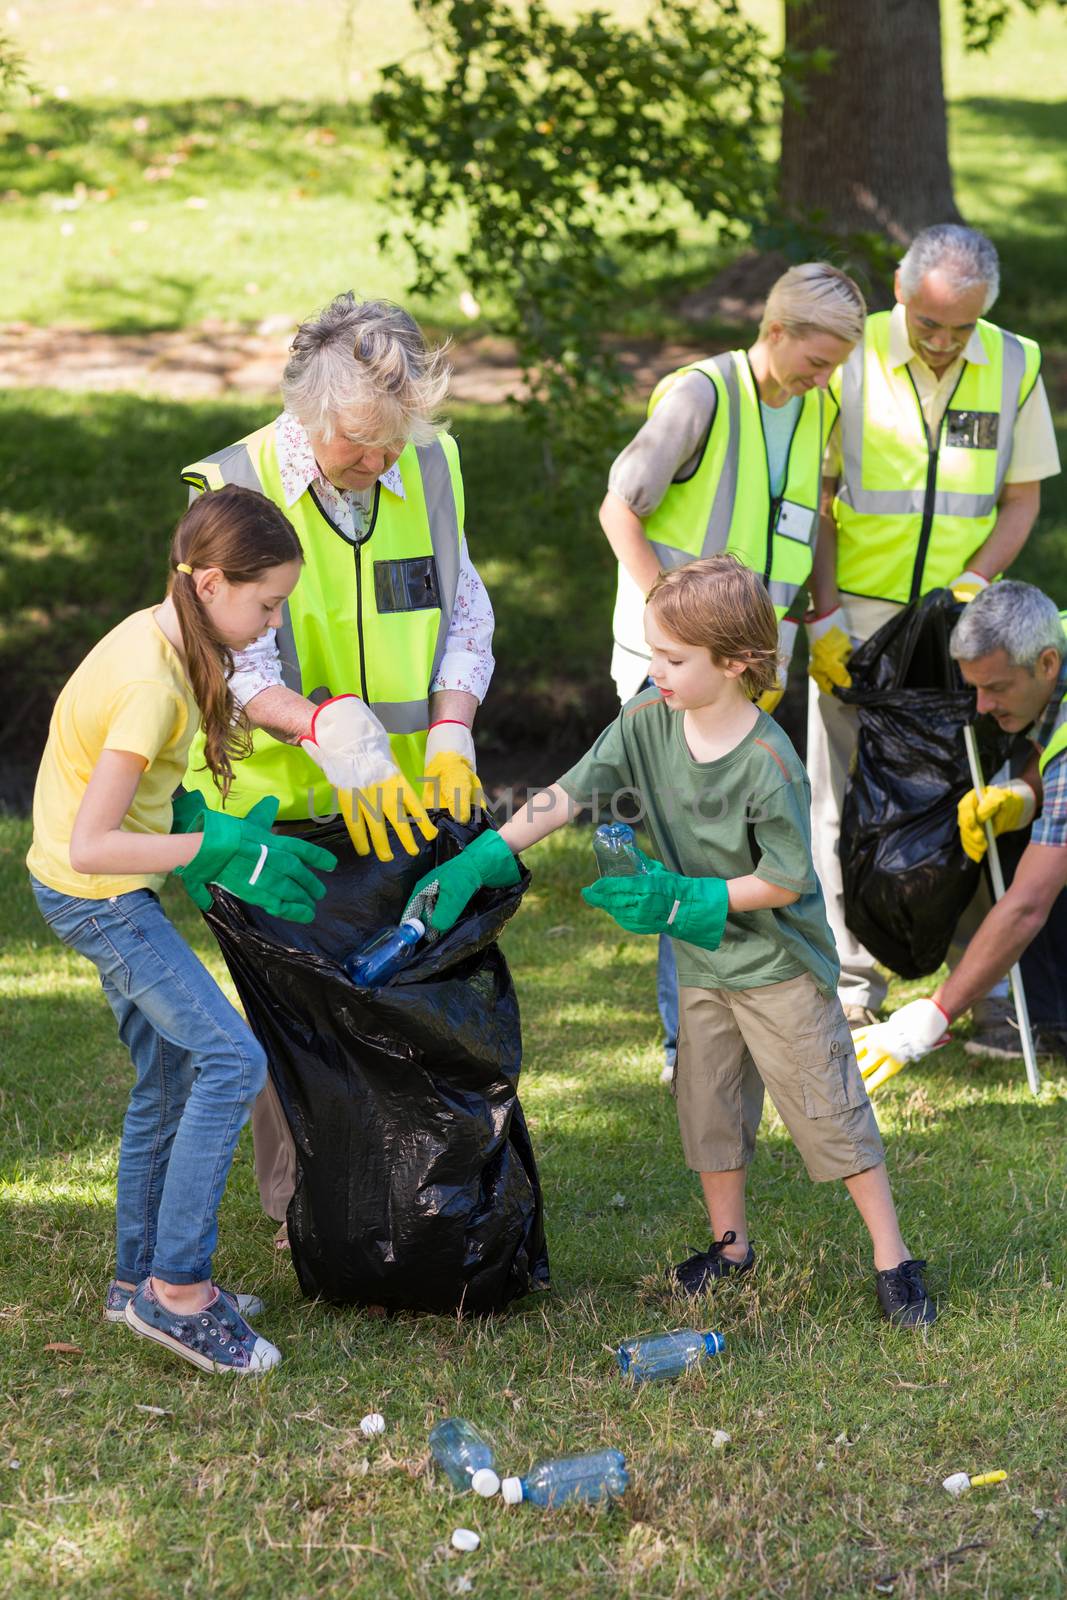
[
  {"x": 366, "y": 359},
  {"x": 243, "y": 534},
  {"x": 722, "y": 606},
  {"x": 816, "y": 298}
]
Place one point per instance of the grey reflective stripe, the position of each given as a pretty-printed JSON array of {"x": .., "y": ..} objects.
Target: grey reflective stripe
[
  {"x": 721, "y": 516},
  {"x": 234, "y": 464},
  {"x": 285, "y": 640},
  {"x": 912, "y": 502},
  {"x": 444, "y": 537},
  {"x": 402, "y": 716},
  {"x": 783, "y": 594},
  {"x": 1011, "y": 386}
]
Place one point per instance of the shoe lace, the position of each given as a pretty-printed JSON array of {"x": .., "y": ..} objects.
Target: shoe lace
[
  {"x": 719, "y": 1245},
  {"x": 910, "y": 1276}
]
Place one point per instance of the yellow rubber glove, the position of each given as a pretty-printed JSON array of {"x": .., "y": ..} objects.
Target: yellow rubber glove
[
  {"x": 450, "y": 782},
  {"x": 369, "y": 813},
  {"x": 829, "y": 647},
  {"x": 452, "y": 785},
  {"x": 787, "y": 637},
  {"x": 967, "y": 585},
  {"x": 1006, "y": 807}
]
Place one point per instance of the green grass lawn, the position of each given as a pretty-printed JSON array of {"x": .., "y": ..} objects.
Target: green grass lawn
[
  {"x": 124, "y": 1473},
  {"x": 192, "y": 161}
]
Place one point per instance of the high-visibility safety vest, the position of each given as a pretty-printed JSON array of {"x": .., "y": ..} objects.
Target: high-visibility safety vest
[
  {"x": 368, "y": 616},
  {"x": 911, "y": 510},
  {"x": 725, "y": 501}
]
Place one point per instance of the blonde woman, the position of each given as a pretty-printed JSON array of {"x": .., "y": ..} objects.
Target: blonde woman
[{"x": 730, "y": 459}]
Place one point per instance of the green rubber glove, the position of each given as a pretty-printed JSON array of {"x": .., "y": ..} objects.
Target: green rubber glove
[
  {"x": 486, "y": 863},
  {"x": 693, "y": 909},
  {"x": 266, "y": 869},
  {"x": 189, "y": 806}
]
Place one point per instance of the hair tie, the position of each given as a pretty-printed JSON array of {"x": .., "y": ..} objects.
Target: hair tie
[{"x": 181, "y": 567}]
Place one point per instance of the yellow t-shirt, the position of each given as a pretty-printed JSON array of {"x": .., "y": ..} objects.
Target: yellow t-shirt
[{"x": 130, "y": 693}]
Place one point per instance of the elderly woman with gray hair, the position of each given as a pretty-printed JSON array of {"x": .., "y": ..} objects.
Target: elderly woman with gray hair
[{"x": 369, "y": 688}]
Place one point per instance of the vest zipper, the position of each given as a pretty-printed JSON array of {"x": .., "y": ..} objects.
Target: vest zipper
[
  {"x": 933, "y": 447},
  {"x": 359, "y": 595},
  {"x": 772, "y": 503},
  {"x": 775, "y": 504}
]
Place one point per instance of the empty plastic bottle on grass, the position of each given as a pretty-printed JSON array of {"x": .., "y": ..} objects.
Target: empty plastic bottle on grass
[
  {"x": 464, "y": 1456},
  {"x": 666, "y": 1355},
  {"x": 615, "y": 848},
  {"x": 375, "y": 962},
  {"x": 591, "y": 1478}
]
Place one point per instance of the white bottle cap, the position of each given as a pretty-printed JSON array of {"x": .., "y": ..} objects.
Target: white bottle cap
[
  {"x": 416, "y": 923},
  {"x": 372, "y": 1423},
  {"x": 465, "y": 1539},
  {"x": 485, "y": 1482},
  {"x": 511, "y": 1489}
]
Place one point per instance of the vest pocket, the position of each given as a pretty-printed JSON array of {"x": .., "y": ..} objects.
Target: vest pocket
[{"x": 407, "y": 585}]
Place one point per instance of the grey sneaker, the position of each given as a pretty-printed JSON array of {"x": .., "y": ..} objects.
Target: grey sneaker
[
  {"x": 117, "y": 1298},
  {"x": 216, "y": 1339}
]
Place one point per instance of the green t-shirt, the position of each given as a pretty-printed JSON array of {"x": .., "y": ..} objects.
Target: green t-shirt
[{"x": 746, "y": 812}]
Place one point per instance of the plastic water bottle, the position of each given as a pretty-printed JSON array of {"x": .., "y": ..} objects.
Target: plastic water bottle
[
  {"x": 666, "y": 1355},
  {"x": 589, "y": 1478},
  {"x": 464, "y": 1456},
  {"x": 615, "y": 849},
  {"x": 375, "y": 962}
]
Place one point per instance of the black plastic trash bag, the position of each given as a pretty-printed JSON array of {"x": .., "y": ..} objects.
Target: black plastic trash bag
[
  {"x": 416, "y": 1182},
  {"x": 906, "y": 878}
]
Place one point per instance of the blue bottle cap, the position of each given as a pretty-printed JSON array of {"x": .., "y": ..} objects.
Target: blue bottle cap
[{"x": 714, "y": 1343}]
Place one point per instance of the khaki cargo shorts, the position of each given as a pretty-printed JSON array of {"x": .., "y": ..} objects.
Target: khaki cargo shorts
[{"x": 790, "y": 1039}]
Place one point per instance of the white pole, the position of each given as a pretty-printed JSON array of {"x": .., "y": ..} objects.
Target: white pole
[{"x": 1018, "y": 993}]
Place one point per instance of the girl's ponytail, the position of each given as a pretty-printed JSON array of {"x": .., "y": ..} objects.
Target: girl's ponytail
[{"x": 243, "y": 534}]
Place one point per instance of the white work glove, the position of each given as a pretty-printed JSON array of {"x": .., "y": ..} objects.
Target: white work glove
[
  {"x": 829, "y": 647},
  {"x": 350, "y": 745},
  {"x": 911, "y": 1032},
  {"x": 787, "y": 638},
  {"x": 968, "y": 584},
  {"x": 451, "y": 782}
]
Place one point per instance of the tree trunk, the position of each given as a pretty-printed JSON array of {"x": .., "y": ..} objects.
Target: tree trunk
[{"x": 868, "y": 149}]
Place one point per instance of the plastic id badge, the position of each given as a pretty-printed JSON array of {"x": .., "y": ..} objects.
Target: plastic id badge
[{"x": 795, "y": 522}]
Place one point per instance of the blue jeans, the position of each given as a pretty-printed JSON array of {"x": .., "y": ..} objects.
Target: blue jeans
[
  {"x": 198, "y": 1069},
  {"x": 667, "y": 998}
]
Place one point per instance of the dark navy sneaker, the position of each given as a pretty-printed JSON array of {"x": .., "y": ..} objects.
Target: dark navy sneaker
[
  {"x": 903, "y": 1297},
  {"x": 216, "y": 1339},
  {"x": 699, "y": 1273},
  {"x": 115, "y": 1301}
]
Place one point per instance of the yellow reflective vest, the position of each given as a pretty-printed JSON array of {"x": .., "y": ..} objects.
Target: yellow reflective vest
[
  {"x": 725, "y": 502},
  {"x": 367, "y": 617},
  {"x": 911, "y": 510}
]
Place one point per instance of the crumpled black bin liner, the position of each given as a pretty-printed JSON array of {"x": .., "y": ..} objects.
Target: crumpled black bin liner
[
  {"x": 416, "y": 1185},
  {"x": 906, "y": 878}
]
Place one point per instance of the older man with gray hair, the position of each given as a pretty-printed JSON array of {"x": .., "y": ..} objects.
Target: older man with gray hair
[
  {"x": 932, "y": 479},
  {"x": 1011, "y": 648}
]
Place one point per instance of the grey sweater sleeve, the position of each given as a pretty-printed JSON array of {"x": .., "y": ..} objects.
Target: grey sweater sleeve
[{"x": 670, "y": 442}]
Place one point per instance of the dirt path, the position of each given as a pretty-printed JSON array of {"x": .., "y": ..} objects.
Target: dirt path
[{"x": 216, "y": 359}]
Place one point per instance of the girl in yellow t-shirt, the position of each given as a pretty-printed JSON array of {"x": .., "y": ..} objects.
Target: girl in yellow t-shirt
[{"x": 105, "y": 836}]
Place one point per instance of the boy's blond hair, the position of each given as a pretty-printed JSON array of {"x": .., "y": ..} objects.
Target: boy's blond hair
[{"x": 722, "y": 606}]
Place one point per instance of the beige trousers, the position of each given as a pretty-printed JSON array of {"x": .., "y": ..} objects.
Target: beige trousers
[{"x": 275, "y": 1153}]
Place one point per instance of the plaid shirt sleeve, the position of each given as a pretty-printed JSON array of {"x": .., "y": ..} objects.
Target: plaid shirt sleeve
[{"x": 1051, "y": 826}]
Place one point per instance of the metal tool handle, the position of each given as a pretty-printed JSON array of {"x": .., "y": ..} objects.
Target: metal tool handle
[{"x": 1018, "y": 993}]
